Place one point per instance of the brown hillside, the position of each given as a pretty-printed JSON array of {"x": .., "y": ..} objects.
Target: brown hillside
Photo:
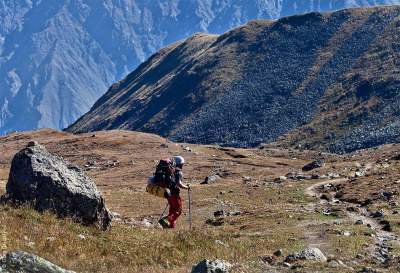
[
  {"x": 326, "y": 80},
  {"x": 273, "y": 215}
]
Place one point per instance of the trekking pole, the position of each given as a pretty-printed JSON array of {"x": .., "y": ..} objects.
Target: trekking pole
[
  {"x": 190, "y": 208},
  {"x": 162, "y": 214}
]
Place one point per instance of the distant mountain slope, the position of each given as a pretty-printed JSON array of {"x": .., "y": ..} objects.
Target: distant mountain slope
[
  {"x": 58, "y": 57},
  {"x": 334, "y": 77}
]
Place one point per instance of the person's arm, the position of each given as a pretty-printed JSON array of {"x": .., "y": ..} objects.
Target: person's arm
[
  {"x": 182, "y": 186},
  {"x": 180, "y": 183}
]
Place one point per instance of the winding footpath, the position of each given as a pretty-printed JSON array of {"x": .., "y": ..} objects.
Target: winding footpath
[{"x": 381, "y": 248}]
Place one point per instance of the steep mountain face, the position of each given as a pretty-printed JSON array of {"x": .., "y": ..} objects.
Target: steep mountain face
[
  {"x": 363, "y": 108},
  {"x": 58, "y": 57},
  {"x": 333, "y": 78}
]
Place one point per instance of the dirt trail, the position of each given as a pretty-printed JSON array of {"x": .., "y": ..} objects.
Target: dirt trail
[
  {"x": 311, "y": 191},
  {"x": 380, "y": 251},
  {"x": 315, "y": 239}
]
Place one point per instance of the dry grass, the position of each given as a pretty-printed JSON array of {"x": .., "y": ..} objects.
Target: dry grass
[
  {"x": 274, "y": 216},
  {"x": 126, "y": 249}
]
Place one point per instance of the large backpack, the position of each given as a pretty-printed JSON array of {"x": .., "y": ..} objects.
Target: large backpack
[{"x": 165, "y": 173}]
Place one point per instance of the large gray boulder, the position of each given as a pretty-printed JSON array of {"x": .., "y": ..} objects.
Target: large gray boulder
[
  {"x": 207, "y": 266},
  {"x": 48, "y": 182},
  {"x": 23, "y": 262}
]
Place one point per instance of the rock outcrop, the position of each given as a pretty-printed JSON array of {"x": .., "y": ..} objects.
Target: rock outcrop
[
  {"x": 211, "y": 179},
  {"x": 308, "y": 254},
  {"x": 318, "y": 163},
  {"x": 217, "y": 266},
  {"x": 48, "y": 182},
  {"x": 19, "y": 261}
]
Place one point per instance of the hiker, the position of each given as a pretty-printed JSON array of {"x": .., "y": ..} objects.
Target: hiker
[{"x": 167, "y": 182}]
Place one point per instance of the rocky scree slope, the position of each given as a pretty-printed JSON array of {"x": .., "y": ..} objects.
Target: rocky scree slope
[
  {"x": 58, "y": 57},
  {"x": 331, "y": 76}
]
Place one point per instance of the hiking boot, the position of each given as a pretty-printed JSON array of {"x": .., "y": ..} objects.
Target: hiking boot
[{"x": 164, "y": 223}]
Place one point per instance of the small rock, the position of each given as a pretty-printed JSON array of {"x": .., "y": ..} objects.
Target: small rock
[
  {"x": 386, "y": 225},
  {"x": 81, "y": 236},
  {"x": 221, "y": 243},
  {"x": 219, "y": 213},
  {"x": 246, "y": 178},
  {"x": 216, "y": 266},
  {"x": 359, "y": 222},
  {"x": 339, "y": 194},
  {"x": 313, "y": 165},
  {"x": 286, "y": 264},
  {"x": 315, "y": 176},
  {"x": 280, "y": 179},
  {"x": 268, "y": 259},
  {"x": 326, "y": 197},
  {"x": 333, "y": 264},
  {"x": 234, "y": 213},
  {"x": 387, "y": 195},
  {"x": 309, "y": 254},
  {"x": 352, "y": 209},
  {"x": 359, "y": 173},
  {"x": 313, "y": 253},
  {"x": 378, "y": 214},
  {"x": 298, "y": 176},
  {"x": 346, "y": 233},
  {"x": 278, "y": 252},
  {"x": 215, "y": 222},
  {"x": 328, "y": 186},
  {"x": 329, "y": 212},
  {"x": 50, "y": 239},
  {"x": 333, "y": 175},
  {"x": 146, "y": 223},
  {"x": 211, "y": 179}
]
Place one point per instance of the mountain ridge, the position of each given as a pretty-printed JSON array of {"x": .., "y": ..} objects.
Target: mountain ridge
[
  {"x": 253, "y": 76},
  {"x": 58, "y": 58}
]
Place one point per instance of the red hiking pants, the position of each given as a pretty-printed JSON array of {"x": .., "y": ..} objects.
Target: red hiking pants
[{"x": 175, "y": 209}]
